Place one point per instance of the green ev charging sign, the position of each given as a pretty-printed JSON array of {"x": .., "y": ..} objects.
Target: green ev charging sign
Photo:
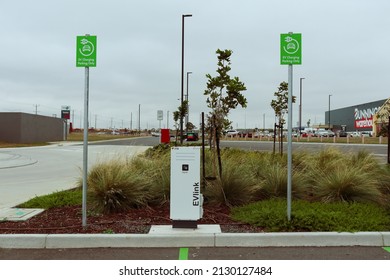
[
  {"x": 86, "y": 51},
  {"x": 290, "y": 49}
]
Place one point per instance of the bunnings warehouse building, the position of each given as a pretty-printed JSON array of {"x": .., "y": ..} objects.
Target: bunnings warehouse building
[{"x": 360, "y": 117}]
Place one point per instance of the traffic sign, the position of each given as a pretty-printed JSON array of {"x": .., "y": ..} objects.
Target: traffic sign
[
  {"x": 290, "y": 49},
  {"x": 65, "y": 114},
  {"x": 160, "y": 115},
  {"x": 86, "y": 51}
]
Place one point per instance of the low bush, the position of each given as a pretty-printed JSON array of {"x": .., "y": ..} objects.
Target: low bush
[
  {"x": 113, "y": 186},
  {"x": 313, "y": 216},
  {"x": 346, "y": 183}
]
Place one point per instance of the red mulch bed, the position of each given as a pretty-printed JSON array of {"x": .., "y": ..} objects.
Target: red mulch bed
[{"x": 69, "y": 220}]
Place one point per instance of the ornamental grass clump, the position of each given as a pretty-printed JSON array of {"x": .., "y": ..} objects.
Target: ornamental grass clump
[
  {"x": 114, "y": 186},
  {"x": 236, "y": 186},
  {"x": 338, "y": 177},
  {"x": 272, "y": 180}
]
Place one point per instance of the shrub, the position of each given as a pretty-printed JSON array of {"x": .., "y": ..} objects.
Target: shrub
[
  {"x": 315, "y": 216},
  {"x": 158, "y": 151},
  {"x": 236, "y": 185},
  {"x": 113, "y": 186},
  {"x": 156, "y": 176},
  {"x": 327, "y": 160},
  {"x": 273, "y": 182},
  {"x": 346, "y": 183}
]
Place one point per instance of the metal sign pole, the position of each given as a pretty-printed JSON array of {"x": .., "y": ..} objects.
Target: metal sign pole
[
  {"x": 289, "y": 140},
  {"x": 85, "y": 149},
  {"x": 85, "y": 57},
  {"x": 290, "y": 53}
]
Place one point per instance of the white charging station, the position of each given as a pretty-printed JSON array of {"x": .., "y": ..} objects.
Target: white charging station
[{"x": 186, "y": 199}]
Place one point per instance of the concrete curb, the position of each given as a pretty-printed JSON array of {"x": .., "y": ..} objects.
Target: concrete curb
[{"x": 318, "y": 239}]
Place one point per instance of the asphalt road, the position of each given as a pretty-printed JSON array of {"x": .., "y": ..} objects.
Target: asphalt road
[
  {"x": 379, "y": 151},
  {"x": 231, "y": 253}
]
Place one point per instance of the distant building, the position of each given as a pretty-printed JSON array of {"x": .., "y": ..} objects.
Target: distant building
[
  {"x": 354, "y": 118},
  {"x": 29, "y": 128}
]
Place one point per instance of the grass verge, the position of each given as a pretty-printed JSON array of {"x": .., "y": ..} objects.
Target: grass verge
[{"x": 56, "y": 199}]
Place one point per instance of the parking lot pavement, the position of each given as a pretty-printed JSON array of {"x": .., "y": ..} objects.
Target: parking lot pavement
[
  {"x": 33, "y": 171},
  {"x": 202, "y": 253}
]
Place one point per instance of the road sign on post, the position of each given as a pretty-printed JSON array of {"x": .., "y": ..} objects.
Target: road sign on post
[
  {"x": 160, "y": 115},
  {"x": 85, "y": 57},
  {"x": 290, "y": 49},
  {"x": 86, "y": 51},
  {"x": 290, "y": 54}
]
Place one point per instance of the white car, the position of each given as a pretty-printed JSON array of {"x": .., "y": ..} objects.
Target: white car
[
  {"x": 366, "y": 134},
  {"x": 325, "y": 133},
  {"x": 355, "y": 134},
  {"x": 232, "y": 132}
]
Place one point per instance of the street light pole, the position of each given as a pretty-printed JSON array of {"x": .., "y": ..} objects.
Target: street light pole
[
  {"x": 329, "y": 112},
  {"x": 188, "y": 104},
  {"x": 182, "y": 74},
  {"x": 300, "y": 105}
]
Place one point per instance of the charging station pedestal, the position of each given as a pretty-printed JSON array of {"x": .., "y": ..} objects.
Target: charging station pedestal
[{"x": 186, "y": 206}]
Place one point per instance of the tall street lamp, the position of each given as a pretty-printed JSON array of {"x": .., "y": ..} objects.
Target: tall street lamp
[
  {"x": 329, "y": 112},
  {"x": 188, "y": 104},
  {"x": 300, "y": 105},
  {"x": 182, "y": 74}
]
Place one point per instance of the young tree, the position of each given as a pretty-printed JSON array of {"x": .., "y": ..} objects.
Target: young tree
[
  {"x": 179, "y": 114},
  {"x": 280, "y": 106},
  {"x": 190, "y": 126},
  {"x": 223, "y": 94},
  {"x": 382, "y": 118}
]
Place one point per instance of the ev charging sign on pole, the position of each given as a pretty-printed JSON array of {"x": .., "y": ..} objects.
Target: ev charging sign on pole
[
  {"x": 85, "y": 57},
  {"x": 86, "y": 51},
  {"x": 290, "y": 49},
  {"x": 290, "y": 53}
]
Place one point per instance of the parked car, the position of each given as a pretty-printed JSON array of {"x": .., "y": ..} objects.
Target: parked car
[
  {"x": 342, "y": 133},
  {"x": 262, "y": 134},
  {"x": 355, "y": 134},
  {"x": 325, "y": 133},
  {"x": 366, "y": 134},
  {"x": 307, "y": 134},
  {"x": 231, "y": 132},
  {"x": 245, "y": 133},
  {"x": 192, "y": 136}
]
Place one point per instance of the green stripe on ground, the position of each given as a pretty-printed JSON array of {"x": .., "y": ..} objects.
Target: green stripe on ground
[
  {"x": 387, "y": 249},
  {"x": 183, "y": 254}
]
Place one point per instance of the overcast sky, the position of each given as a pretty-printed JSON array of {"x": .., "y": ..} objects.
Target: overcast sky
[{"x": 345, "y": 53}]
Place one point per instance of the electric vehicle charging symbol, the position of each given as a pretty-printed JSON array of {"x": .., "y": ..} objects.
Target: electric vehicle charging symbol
[
  {"x": 292, "y": 45},
  {"x": 87, "y": 47}
]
